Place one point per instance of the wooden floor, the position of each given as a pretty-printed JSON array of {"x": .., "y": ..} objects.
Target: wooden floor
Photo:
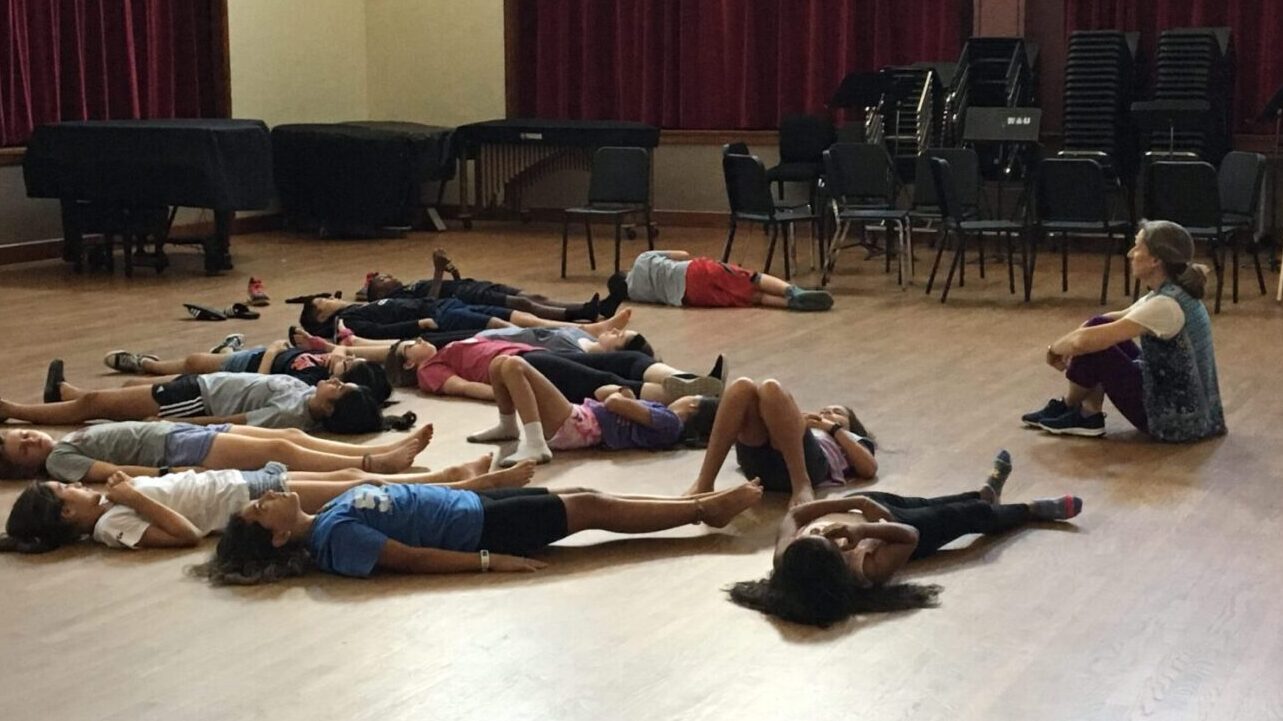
[{"x": 1162, "y": 601}]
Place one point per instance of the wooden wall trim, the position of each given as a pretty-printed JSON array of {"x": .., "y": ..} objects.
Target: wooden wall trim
[{"x": 12, "y": 156}]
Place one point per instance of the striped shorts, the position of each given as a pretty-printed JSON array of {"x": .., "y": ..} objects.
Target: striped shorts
[{"x": 179, "y": 398}]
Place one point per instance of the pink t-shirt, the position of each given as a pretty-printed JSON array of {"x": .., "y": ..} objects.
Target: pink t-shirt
[{"x": 469, "y": 359}]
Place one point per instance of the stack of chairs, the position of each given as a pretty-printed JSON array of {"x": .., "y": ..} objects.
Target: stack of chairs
[
  {"x": 1196, "y": 64},
  {"x": 1100, "y": 85},
  {"x": 992, "y": 73},
  {"x": 914, "y": 120}
]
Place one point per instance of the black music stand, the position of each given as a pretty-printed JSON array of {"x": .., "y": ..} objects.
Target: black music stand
[
  {"x": 1156, "y": 116},
  {"x": 1274, "y": 109},
  {"x": 863, "y": 91},
  {"x": 1011, "y": 128}
]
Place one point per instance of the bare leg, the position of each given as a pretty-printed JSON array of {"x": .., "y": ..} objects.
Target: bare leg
[
  {"x": 1089, "y": 400},
  {"x": 232, "y": 450},
  {"x": 528, "y": 392},
  {"x": 523, "y": 304},
  {"x": 654, "y": 392},
  {"x": 112, "y": 404},
  {"x": 148, "y": 381},
  {"x": 419, "y": 437},
  {"x": 785, "y": 426},
  {"x": 604, "y": 512},
  {"x": 770, "y": 285},
  {"x": 657, "y": 372},
  {"x": 738, "y": 419},
  {"x": 194, "y": 363}
]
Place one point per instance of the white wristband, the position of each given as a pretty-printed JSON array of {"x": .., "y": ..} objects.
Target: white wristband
[{"x": 485, "y": 561}]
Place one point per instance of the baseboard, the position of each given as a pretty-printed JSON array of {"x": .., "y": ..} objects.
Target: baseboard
[
  {"x": 50, "y": 248},
  {"x": 684, "y": 218}
]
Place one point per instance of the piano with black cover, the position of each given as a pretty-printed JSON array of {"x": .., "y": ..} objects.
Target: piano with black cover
[
  {"x": 127, "y": 177},
  {"x": 513, "y": 154}
]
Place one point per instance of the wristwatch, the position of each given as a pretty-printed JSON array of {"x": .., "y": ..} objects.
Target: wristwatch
[{"x": 485, "y": 560}]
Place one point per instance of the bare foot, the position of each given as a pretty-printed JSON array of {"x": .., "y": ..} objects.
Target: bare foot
[
  {"x": 419, "y": 438},
  {"x": 300, "y": 338},
  {"x": 393, "y": 461},
  {"x": 479, "y": 467},
  {"x": 619, "y": 320},
  {"x": 515, "y": 477},
  {"x": 718, "y": 510},
  {"x": 806, "y": 495}
]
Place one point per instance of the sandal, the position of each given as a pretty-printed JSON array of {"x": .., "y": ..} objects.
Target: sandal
[
  {"x": 204, "y": 312},
  {"x": 241, "y": 311},
  {"x": 54, "y": 379}
]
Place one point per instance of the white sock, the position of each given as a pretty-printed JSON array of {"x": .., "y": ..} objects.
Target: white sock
[
  {"x": 507, "y": 430},
  {"x": 533, "y": 446}
]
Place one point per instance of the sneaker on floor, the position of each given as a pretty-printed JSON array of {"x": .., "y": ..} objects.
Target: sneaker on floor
[
  {"x": 54, "y": 379},
  {"x": 689, "y": 384},
  {"x": 363, "y": 293},
  {"x": 257, "y": 295},
  {"x": 231, "y": 343},
  {"x": 122, "y": 361},
  {"x": 800, "y": 299},
  {"x": 1054, "y": 409},
  {"x": 1074, "y": 423}
]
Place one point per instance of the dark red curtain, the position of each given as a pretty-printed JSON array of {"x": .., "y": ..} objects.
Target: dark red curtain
[
  {"x": 1256, "y": 34},
  {"x": 714, "y": 64},
  {"x": 108, "y": 59}
]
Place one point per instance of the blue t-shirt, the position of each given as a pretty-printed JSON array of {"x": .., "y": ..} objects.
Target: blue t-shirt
[
  {"x": 617, "y": 432},
  {"x": 350, "y": 530}
]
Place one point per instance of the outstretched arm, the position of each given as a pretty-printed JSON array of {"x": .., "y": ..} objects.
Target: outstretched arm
[{"x": 398, "y": 557}]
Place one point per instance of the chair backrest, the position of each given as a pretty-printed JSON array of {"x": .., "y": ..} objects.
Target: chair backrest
[
  {"x": 1240, "y": 179},
  {"x": 946, "y": 192},
  {"x": 965, "y": 166},
  {"x": 747, "y": 188},
  {"x": 861, "y": 173},
  {"x": 803, "y": 138},
  {"x": 1071, "y": 190},
  {"x": 1183, "y": 192},
  {"x": 620, "y": 175},
  {"x": 738, "y": 148}
]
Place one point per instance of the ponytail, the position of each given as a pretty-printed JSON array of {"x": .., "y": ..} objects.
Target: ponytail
[
  {"x": 360, "y": 411},
  {"x": 1191, "y": 277}
]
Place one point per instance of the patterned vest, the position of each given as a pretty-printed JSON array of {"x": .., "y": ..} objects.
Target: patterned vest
[{"x": 1182, "y": 398}]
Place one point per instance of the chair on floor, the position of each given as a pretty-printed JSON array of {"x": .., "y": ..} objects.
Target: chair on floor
[
  {"x": 803, "y": 138},
  {"x": 862, "y": 181},
  {"x": 1188, "y": 193},
  {"x": 619, "y": 187},
  {"x": 955, "y": 224},
  {"x": 1239, "y": 181},
  {"x": 749, "y": 194},
  {"x": 1072, "y": 200},
  {"x": 965, "y": 165}
]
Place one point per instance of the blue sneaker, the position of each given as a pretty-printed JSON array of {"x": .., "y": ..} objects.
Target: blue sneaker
[
  {"x": 1055, "y": 407},
  {"x": 1074, "y": 423}
]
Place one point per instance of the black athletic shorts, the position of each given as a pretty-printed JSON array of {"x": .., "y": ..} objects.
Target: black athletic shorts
[
  {"x": 478, "y": 292},
  {"x": 179, "y": 398},
  {"x": 520, "y": 521},
  {"x": 767, "y": 464}
]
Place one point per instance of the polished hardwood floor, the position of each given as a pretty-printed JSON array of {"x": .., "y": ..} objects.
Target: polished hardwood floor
[{"x": 1162, "y": 600}]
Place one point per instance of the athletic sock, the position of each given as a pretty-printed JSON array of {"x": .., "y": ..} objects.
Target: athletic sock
[
  {"x": 1056, "y": 509},
  {"x": 589, "y": 311},
  {"x": 533, "y": 446},
  {"x": 507, "y": 430},
  {"x": 998, "y": 478}
]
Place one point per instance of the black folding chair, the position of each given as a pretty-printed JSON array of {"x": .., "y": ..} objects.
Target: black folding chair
[
  {"x": 954, "y": 223},
  {"x": 1239, "y": 181},
  {"x": 749, "y": 195},
  {"x": 1072, "y": 201},
  {"x": 802, "y": 140},
  {"x": 1188, "y": 193},
  {"x": 619, "y": 187},
  {"x": 862, "y": 181}
]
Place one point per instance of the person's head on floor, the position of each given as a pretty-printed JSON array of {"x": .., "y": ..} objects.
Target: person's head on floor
[
  {"x": 259, "y": 544},
  {"x": 813, "y": 585},
  {"x": 696, "y": 414},
  {"x": 365, "y": 374},
  {"x": 381, "y": 285},
  {"x": 846, "y": 418},
  {"x": 23, "y": 452},
  {"x": 404, "y": 359},
  {"x": 348, "y": 408},
  {"x": 615, "y": 339},
  {"x": 1165, "y": 251},
  {"x": 317, "y": 316},
  {"x": 48, "y": 515}
]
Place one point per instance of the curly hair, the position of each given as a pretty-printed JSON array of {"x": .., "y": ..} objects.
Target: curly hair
[
  {"x": 812, "y": 585},
  {"x": 245, "y": 556}
]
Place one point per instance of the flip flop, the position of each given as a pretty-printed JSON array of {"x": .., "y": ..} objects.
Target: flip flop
[
  {"x": 241, "y": 311},
  {"x": 204, "y": 312},
  {"x": 53, "y": 381}
]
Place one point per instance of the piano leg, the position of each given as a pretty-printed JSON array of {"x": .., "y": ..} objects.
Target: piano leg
[
  {"x": 73, "y": 239},
  {"x": 218, "y": 256}
]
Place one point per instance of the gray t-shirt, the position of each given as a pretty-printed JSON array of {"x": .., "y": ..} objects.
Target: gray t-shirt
[
  {"x": 129, "y": 443},
  {"x": 655, "y": 278},
  {"x": 555, "y": 339},
  {"x": 268, "y": 401}
]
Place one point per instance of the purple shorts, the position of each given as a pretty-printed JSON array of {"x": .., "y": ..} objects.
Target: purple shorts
[{"x": 187, "y": 444}]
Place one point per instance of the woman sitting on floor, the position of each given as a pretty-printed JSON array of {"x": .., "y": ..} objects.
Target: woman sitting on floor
[
  {"x": 428, "y": 529},
  {"x": 778, "y": 444},
  {"x": 241, "y": 398},
  {"x": 551, "y": 422},
  {"x": 150, "y": 448},
  {"x": 179, "y": 509},
  {"x": 835, "y": 557},
  {"x": 1167, "y": 385}
]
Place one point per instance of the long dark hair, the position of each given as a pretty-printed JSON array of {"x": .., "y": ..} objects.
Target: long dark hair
[
  {"x": 359, "y": 411},
  {"x": 245, "y": 556},
  {"x": 857, "y": 427},
  {"x": 36, "y": 524},
  {"x": 372, "y": 376},
  {"x": 310, "y": 318},
  {"x": 812, "y": 585}
]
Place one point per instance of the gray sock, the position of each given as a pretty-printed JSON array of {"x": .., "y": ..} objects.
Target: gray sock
[
  {"x": 1056, "y": 509},
  {"x": 998, "y": 478}
]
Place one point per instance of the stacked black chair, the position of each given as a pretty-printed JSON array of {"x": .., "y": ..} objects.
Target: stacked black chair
[
  {"x": 1100, "y": 84},
  {"x": 803, "y": 138},
  {"x": 954, "y": 224},
  {"x": 864, "y": 186},
  {"x": 1196, "y": 64},
  {"x": 992, "y": 73},
  {"x": 914, "y": 119},
  {"x": 619, "y": 187},
  {"x": 1072, "y": 201},
  {"x": 749, "y": 194}
]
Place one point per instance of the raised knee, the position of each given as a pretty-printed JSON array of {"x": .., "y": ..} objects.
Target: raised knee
[
  {"x": 770, "y": 385},
  {"x": 741, "y": 386}
]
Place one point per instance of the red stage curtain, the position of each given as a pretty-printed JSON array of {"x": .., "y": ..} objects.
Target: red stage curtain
[
  {"x": 107, "y": 59},
  {"x": 1256, "y": 34},
  {"x": 714, "y": 64}
]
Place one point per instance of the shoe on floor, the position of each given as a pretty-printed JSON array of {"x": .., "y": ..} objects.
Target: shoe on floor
[
  {"x": 809, "y": 299},
  {"x": 689, "y": 384},
  {"x": 122, "y": 361},
  {"x": 1074, "y": 423},
  {"x": 257, "y": 295},
  {"x": 1055, "y": 408},
  {"x": 53, "y": 381},
  {"x": 231, "y": 343}
]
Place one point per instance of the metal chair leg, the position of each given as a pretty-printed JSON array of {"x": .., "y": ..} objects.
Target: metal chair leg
[
  {"x": 1011, "y": 264},
  {"x": 730, "y": 238},
  {"x": 1109, "y": 256},
  {"x": 957, "y": 261},
  {"x": 565, "y": 242},
  {"x": 1064, "y": 262},
  {"x": 1234, "y": 258},
  {"x": 618, "y": 239},
  {"x": 941, "y": 237},
  {"x": 773, "y": 231},
  {"x": 592, "y": 257}
]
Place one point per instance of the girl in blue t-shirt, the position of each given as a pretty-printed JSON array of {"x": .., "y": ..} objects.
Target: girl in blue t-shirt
[
  {"x": 427, "y": 529},
  {"x": 615, "y": 419}
]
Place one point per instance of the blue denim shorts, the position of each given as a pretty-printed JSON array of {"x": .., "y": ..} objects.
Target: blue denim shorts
[
  {"x": 243, "y": 361},
  {"x": 268, "y": 478},
  {"x": 187, "y": 444}
]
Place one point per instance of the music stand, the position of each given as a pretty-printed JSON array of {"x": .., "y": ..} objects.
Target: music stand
[
  {"x": 864, "y": 90},
  {"x": 1155, "y": 116},
  {"x": 1274, "y": 109},
  {"x": 1010, "y": 128}
]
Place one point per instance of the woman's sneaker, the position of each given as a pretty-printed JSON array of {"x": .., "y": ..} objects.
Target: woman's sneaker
[
  {"x": 257, "y": 294},
  {"x": 1074, "y": 423},
  {"x": 122, "y": 361},
  {"x": 1054, "y": 409}
]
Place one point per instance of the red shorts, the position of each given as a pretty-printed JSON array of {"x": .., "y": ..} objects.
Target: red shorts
[{"x": 710, "y": 284}]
